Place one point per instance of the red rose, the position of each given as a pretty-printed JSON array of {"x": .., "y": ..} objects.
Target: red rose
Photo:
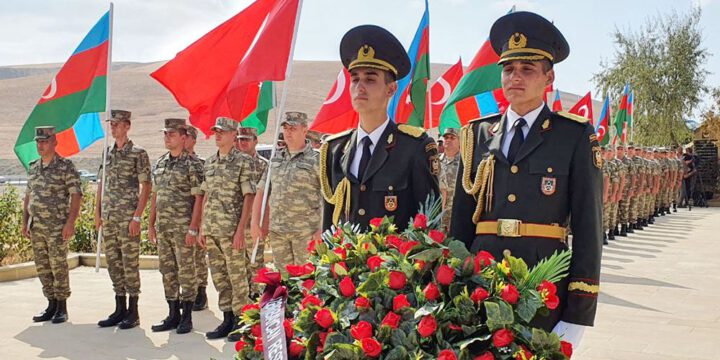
[
  {"x": 420, "y": 222},
  {"x": 311, "y": 300},
  {"x": 437, "y": 236},
  {"x": 392, "y": 320},
  {"x": 333, "y": 267},
  {"x": 250, "y": 307},
  {"x": 348, "y": 246},
  {"x": 483, "y": 259},
  {"x": 259, "y": 345},
  {"x": 296, "y": 348},
  {"x": 548, "y": 292},
  {"x": 265, "y": 276},
  {"x": 397, "y": 280},
  {"x": 566, "y": 348},
  {"x": 400, "y": 302},
  {"x": 362, "y": 303},
  {"x": 374, "y": 262},
  {"x": 362, "y": 330},
  {"x": 552, "y": 302},
  {"x": 406, "y": 246},
  {"x": 431, "y": 292},
  {"x": 445, "y": 275},
  {"x": 341, "y": 252},
  {"x": 311, "y": 246},
  {"x": 289, "y": 331},
  {"x": 502, "y": 338},
  {"x": 427, "y": 326},
  {"x": 393, "y": 241},
  {"x": 324, "y": 318},
  {"x": 239, "y": 345},
  {"x": 308, "y": 284},
  {"x": 478, "y": 295},
  {"x": 299, "y": 270},
  {"x": 510, "y": 294},
  {"x": 371, "y": 347},
  {"x": 375, "y": 222},
  {"x": 447, "y": 355},
  {"x": 347, "y": 288},
  {"x": 485, "y": 356},
  {"x": 256, "y": 331}
]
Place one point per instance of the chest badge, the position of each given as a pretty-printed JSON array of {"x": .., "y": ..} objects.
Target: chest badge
[
  {"x": 547, "y": 185},
  {"x": 391, "y": 203}
]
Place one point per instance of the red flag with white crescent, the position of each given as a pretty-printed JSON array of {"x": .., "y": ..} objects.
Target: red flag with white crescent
[
  {"x": 337, "y": 113},
  {"x": 440, "y": 92},
  {"x": 584, "y": 107}
]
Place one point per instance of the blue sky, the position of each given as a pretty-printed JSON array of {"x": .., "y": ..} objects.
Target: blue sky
[{"x": 44, "y": 31}]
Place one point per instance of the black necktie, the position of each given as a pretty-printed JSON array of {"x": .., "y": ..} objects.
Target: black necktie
[
  {"x": 365, "y": 159},
  {"x": 517, "y": 140}
]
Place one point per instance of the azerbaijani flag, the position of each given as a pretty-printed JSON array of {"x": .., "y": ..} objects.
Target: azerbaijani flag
[
  {"x": 621, "y": 116},
  {"x": 557, "y": 105},
  {"x": 74, "y": 99},
  {"x": 409, "y": 102},
  {"x": 630, "y": 113},
  {"x": 265, "y": 100},
  {"x": 602, "y": 127}
]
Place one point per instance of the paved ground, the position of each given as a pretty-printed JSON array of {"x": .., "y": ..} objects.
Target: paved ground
[{"x": 660, "y": 300}]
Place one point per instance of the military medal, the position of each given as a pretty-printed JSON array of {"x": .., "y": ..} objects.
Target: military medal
[
  {"x": 391, "y": 203},
  {"x": 547, "y": 185},
  {"x": 546, "y": 125}
]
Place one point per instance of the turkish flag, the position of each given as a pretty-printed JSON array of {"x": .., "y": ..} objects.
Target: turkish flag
[
  {"x": 584, "y": 107},
  {"x": 337, "y": 113},
  {"x": 440, "y": 92},
  {"x": 218, "y": 74}
]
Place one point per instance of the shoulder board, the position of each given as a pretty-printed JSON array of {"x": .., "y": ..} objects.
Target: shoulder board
[
  {"x": 572, "y": 117},
  {"x": 413, "y": 131},
  {"x": 339, "y": 135},
  {"x": 486, "y": 117}
]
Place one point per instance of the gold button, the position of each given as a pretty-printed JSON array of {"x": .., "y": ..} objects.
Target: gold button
[
  {"x": 390, "y": 188},
  {"x": 361, "y": 212},
  {"x": 550, "y": 170},
  {"x": 512, "y": 198},
  {"x": 363, "y": 187},
  {"x": 514, "y": 169}
]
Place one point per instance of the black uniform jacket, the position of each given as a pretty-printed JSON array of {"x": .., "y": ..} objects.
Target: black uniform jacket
[{"x": 556, "y": 173}]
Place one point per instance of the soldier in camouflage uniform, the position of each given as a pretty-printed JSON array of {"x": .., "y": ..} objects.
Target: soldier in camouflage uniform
[
  {"x": 294, "y": 200},
  {"x": 654, "y": 184},
  {"x": 660, "y": 199},
  {"x": 621, "y": 174},
  {"x": 677, "y": 184},
  {"x": 248, "y": 140},
  {"x": 627, "y": 190},
  {"x": 50, "y": 208},
  {"x": 315, "y": 139},
  {"x": 201, "y": 263},
  {"x": 607, "y": 170},
  {"x": 636, "y": 201},
  {"x": 229, "y": 192},
  {"x": 124, "y": 198},
  {"x": 449, "y": 162},
  {"x": 174, "y": 223}
]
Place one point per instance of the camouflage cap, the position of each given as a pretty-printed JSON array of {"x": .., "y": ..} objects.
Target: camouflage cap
[
  {"x": 192, "y": 131},
  {"x": 225, "y": 124},
  {"x": 247, "y": 133},
  {"x": 620, "y": 146},
  {"x": 44, "y": 132},
  {"x": 451, "y": 131},
  {"x": 315, "y": 136},
  {"x": 120, "y": 115},
  {"x": 630, "y": 146},
  {"x": 294, "y": 118},
  {"x": 173, "y": 124}
]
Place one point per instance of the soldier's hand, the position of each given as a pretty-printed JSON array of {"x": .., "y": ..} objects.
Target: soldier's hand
[
  {"x": 134, "y": 228},
  {"x": 239, "y": 240},
  {"x": 190, "y": 239},
  {"x": 152, "y": 234},
  {"x": 26, "y": 232},
  {"x": 68, "y": 231},
  {"x": 201, "y": 240}
]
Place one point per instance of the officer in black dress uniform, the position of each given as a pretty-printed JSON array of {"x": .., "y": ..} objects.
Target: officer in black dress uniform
[
  {"x": 379, "y": 168},
  {"x": 525, "y": 172}
]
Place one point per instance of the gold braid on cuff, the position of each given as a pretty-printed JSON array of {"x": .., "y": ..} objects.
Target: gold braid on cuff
[{"x": 583, "y": 286}]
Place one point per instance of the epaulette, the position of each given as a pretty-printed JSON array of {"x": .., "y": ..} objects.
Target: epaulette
[
  {"x": 413, "y": 131},
  {"x": 486, "y": 117},
  {"x": 572, "y": 117},
  {"x": 338, "y": 135}
]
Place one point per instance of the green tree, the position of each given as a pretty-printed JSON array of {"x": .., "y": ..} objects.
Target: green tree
[{"x": 663, "y": 62}]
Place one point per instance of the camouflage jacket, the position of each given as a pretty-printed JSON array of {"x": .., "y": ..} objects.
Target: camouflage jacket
[
  {"x": 448, "y": 178},
  {"x": 295, "y": 200},
  {"x": 126, "y": 169},
  {"x": 227, "y": 180},
  {"x": 631, "y": 172},
  {"x": 622, "y": 171},
  {"x": 641, "y": 168},
  {"x": 49, "y": 188},
  {"x": 259, "y": 167},
  {"x": 176, "y": 181}
]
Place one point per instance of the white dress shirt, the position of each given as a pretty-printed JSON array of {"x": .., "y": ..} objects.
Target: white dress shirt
[
  {"x": 512, "y": 116},
  {"x": 374, "y": 137}
]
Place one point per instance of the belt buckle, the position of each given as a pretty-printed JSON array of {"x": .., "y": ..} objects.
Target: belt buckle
[{"x": 509, "y": 227}]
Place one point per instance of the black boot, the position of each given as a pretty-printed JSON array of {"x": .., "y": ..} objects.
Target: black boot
[
  {"x": 132, "y": 317},
  {"x": 224, "y": 328},
  {"x": 611, "y": 234},
  {"x": 117, "y": 316},
  {"x": 172, "y": 320},
  {"x": 661, "y": 211},
  {"x": 200, "y": 300},
  {"x": 186, "y": 325},
  {"x": 235, "y": 336},
  {"x": 630, "y": 228},
  {"x": 616, "y": 231},
  {"x": 605, "y": 242},
  {"x": 61, "y": 314},
  {"x": 651, "y": 220},
  {"x": 674, "y": 207},
  {"x": 623, "y": 230},
  {"x": 48, "y": 313}
]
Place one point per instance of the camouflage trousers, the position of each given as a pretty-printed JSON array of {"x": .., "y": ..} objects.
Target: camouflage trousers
[
  {"x": 659, "y": 198},
  {"x": 624, "y": 210},
  {"x": 289, "y": 248},
  {"x": 650, "y": 206},
  {"x": 50, "y": 253},
  {"x": 613, "y": 214},
  {"x": 606, "y": 216},
  {"x": 122, "y": 253},
  {"x": 201, "y": 266},
  {"x": 177, "y": 265},
  {"x": 447, "y": 215},
  {"x": 633, "y": 209},
  {"x": 259, "y": 262},
  {"x": 229, "y": 273}
]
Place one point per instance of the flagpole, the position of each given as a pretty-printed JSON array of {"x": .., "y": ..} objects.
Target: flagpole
[
  {"x": 105, "y": 142},
  {"x": 429, "y": 88},
  {"x": 278, "y": 117}
]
